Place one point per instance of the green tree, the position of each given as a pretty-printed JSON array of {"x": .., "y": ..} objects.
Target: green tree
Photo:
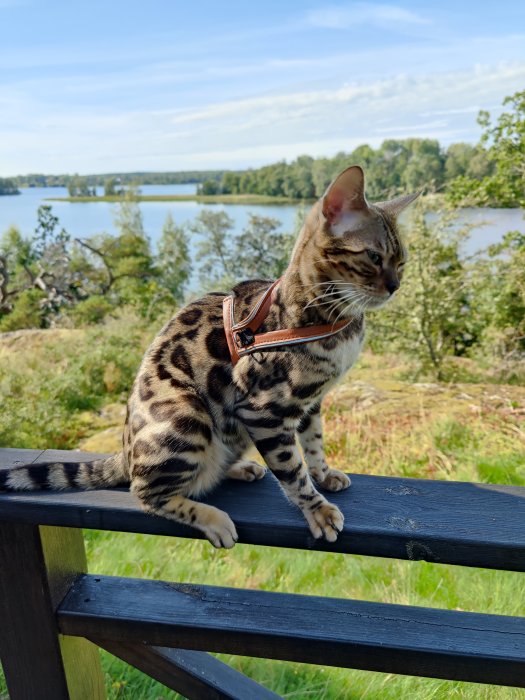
[
  {"x": 215, "y": 231},
  {"x": 8, "y": 186},
  {"x": 431, "y": 318},
  {"x": 260, "y": 251},
  {"x": 498, "y": 287},
  {"x": 111, "y": 187},
  {"x": 209, "y": 187},
  {"x": 173, "y": 259},
  {"x": 504, "y": 142}
]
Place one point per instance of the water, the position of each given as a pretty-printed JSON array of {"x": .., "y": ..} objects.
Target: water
[{"x": 85, "y": 219}]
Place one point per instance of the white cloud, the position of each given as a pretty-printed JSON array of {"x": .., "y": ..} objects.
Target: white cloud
[
  {"x": 250, "y": 131},
  {"x": 362, "y": 13}
]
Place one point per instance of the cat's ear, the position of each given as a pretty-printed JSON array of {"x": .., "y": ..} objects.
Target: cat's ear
[
  {"x": 345, "y": 195},
  {"x": 395, "y": 206}
]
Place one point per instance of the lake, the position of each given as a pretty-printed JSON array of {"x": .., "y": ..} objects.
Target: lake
[
  {"x": 85, "y": 219},
  {"x": 82, "y": 219}
]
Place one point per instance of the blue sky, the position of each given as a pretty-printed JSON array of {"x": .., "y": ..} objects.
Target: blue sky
[{"x": 121, "y": 86}]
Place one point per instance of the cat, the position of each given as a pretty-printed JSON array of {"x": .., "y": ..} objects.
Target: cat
[{"x": 193, "y": 413}]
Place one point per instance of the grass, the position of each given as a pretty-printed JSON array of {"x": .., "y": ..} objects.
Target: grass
[
  {"x": 375, "y": 422},
  {"x": 203, "y": 199}
]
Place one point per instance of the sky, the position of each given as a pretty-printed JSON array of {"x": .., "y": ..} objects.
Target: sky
[{"x": 97, "y": 87}]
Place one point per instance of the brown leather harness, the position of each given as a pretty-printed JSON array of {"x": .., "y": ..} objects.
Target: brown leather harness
[{"x": 243, "y": 338}]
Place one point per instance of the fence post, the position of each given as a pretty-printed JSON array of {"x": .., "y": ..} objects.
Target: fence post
[{"x": 37, "y": 566}]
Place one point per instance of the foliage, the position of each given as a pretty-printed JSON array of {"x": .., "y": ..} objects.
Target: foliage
[
  {"x": 8, "y": 186},
  {"x": 260, "y": 251},
  {"x": 51, "y": 279},
  {"x": 112, "y": 188},
  {"x": 25, "y": 312},
  {"x": 80, "y": 187},
  {"x": 397, "y": 165},
  {"x": 144, "y": 178},
  {"x": 208, "y": 187},
  {"x": 498, "y": 285},
  {"x": 215, "y": 232},
  {"x": 174, "y": 259},
  {"x": 504, "y": 141},
  {"x": 431, "y": 318}
]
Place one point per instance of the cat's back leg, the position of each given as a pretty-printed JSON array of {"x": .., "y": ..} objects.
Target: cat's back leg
[
  {"x": 246, "y": 470},
  {"x": 175, "y": 453}
]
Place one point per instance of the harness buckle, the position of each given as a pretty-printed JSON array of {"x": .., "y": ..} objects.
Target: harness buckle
[{"x": 244, "y": 338}]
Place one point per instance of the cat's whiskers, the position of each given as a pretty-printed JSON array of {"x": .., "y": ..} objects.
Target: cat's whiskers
[{"x": 357, "y": 301}]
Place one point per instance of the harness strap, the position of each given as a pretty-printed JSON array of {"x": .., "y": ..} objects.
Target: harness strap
[{"x": 243, "y": 339}]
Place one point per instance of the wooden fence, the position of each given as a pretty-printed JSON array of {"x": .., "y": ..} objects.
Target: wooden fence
[{"x": 54, "y": 615}]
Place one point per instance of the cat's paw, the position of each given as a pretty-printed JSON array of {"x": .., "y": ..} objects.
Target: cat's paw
[
  {"x": 219, "y": 528},
  {"x": 325, "y": 521},
  {"x": 246, "y": 470},
  {"x": 335, "y": 480}
]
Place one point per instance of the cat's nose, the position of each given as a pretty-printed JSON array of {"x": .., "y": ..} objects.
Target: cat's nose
[{"x": 392, "y": 286}]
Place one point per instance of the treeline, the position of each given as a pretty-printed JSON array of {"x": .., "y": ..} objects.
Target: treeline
[
  {"x": 135, "y": 178},
  {"x": 491, "y": 173},
  {"x": 8, "y": 186},
  {"x": 396, "y": 166}
]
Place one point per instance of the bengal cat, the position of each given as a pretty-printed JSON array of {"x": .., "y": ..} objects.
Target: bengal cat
[{"x": 192, "y": 414}]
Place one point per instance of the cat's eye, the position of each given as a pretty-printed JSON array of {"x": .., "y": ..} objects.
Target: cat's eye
[{"x": 374, "y": 257}]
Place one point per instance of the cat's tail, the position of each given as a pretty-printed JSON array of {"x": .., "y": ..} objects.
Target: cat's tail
[{"x": 110, "y": 471}]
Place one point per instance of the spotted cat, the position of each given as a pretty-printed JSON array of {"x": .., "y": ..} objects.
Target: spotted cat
[{"x": 193, "y": 414}]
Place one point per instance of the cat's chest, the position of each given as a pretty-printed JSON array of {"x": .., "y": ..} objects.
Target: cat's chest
[{"x": 341, "y": 358}]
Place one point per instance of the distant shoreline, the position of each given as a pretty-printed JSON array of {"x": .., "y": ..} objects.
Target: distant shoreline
[{"x": 204, "y": 199}]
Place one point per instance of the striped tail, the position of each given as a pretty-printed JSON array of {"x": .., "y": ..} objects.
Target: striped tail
[{"x": 101, "y": 473}]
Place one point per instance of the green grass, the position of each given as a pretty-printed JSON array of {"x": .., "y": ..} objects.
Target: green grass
[{"x": 203, "y": 199}]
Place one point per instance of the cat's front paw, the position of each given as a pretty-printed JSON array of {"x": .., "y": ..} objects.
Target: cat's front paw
[
  {"x": 334, "y": 480},
  {"x": 325, "y": 521},
  {"x": 219, "y": 528}
]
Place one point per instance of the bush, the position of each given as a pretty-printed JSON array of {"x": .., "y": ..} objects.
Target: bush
[
  {"x": 26, "y": 312},
  {"x": 90, "y": 311}
]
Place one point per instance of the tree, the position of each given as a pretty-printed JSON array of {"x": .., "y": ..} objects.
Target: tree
[
  {"x": 209, "y": 187},
  {"x": 173, "y": 259},
  {"x": 498, "y": 286},
  {"x": 214, "y": 229},
  {"x": 504, "y": 142},
  {"x": 431, "y": 318},
  {"x": 7, "y": 186},
  {"x": 110, "y": 187},
  {"x": 259, "y": 251}
]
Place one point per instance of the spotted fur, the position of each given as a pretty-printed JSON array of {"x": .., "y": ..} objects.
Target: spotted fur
[{"x": 192, "y": 415}]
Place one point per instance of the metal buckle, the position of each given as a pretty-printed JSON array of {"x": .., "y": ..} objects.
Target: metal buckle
[{"x": 244, "y": 338}]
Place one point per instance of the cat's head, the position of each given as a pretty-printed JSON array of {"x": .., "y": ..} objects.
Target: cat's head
[{"x": 357, "y": 244}]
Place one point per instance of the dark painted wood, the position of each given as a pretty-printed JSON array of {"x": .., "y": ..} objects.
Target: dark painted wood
[
  {"x": 194, "y": 674},
  {"x": 346, "y": 633},
  {"x": 448, "y": 522},
  {"x": 37, "y": 662},
  {"x": 29, "y": 646}
]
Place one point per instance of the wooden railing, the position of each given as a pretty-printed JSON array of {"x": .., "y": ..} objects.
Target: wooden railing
[{"x": 50, "y": 606}]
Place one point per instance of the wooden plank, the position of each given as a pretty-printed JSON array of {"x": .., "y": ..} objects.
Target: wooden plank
[
  {"x": 346, "y": 633},
  {"x": 194, "y": 674},
  {"x": 440, "y": 521},
  {"x": 29, "y": 646},
  {"x": 37, "y": 662}
]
